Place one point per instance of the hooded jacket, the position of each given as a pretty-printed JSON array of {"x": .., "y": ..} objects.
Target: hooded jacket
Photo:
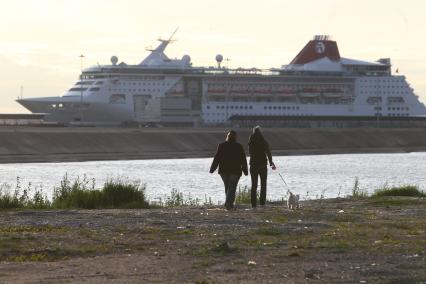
[{"x": 259, "y": 150}]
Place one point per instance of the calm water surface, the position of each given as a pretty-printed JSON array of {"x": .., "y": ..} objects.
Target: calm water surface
[{"x": 309, "y": 176}]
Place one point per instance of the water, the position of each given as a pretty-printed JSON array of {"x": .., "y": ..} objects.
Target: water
[{"x": 309, "y": 176}]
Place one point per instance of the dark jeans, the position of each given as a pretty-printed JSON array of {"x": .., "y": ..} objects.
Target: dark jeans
[
  {"x": 230, "y": 181},
  {"x": 256, "y": 171}
]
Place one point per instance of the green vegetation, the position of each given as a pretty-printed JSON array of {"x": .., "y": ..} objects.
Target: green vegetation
[
  {"x": 176, "y": 199},
  {"x": 81, "y": 193},
  {"x": 114, "y": 194},
  {"x": 358, "y": 192},
  {"x": 407, "y": 190},
  {"x": 243, "y": 195},
  {"x": 121, "y": 193},
  {"x": 20, "y": 198}
]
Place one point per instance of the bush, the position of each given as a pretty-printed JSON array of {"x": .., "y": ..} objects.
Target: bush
[
  {"x": 114, "y": 194},
  {"x": 407, "y": 190}
]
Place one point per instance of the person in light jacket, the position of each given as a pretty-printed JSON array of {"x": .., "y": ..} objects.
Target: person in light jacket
[{"x": 231, "y": 160}]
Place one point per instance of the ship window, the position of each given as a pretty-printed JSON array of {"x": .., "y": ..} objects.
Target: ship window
[
  {"x": 208, "y": 107},
  {"x": 60, "y": 105},
  {"x": 95, "y": 89},
  {"x": 84, "y": 83},
  {"x": 251, "y": 107},
  {"x": 117, "y": 99},
  {"x": 99, "y": 83},
  {"x": 78, "y": 89}
]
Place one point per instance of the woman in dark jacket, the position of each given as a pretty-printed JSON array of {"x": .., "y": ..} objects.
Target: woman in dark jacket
[
  {"x": 231, "y": 159},
  {"x": 259, "y": 156}
]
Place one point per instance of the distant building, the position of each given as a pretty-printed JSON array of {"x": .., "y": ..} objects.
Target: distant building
[{"x": 22, "y": 119}]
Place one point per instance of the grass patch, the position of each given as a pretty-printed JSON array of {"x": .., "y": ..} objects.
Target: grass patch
[
  {"x": 268, "y": 231},
  {"x": 407, "y": 190},
  {"x": 243, "y": 195},
  {"x": 392, "y": 201},
  {"x": 114, "y": 194}
]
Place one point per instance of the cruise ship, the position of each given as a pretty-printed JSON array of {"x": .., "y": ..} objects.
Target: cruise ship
[{"x": 160, "y": 90}]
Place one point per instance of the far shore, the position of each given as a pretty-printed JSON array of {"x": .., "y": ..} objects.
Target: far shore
[
  {"x": 86, "y": 157},
  {"x": 68, "y": 144}
]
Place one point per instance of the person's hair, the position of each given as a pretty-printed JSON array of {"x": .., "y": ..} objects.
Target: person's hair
[
  {"x": 256, "y": 129},
  {"x": 257, "y": 136},
  {"x": 231, "y": 136}
]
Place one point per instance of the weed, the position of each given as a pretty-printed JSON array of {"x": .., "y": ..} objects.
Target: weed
[
  {"x": 406, "y": 190},
  {"x": 358, "y": 192}
]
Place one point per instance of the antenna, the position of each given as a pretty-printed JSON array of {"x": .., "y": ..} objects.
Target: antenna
[
  {"x": 170, "y": 39},
  {"x": 22, "y": 92}
]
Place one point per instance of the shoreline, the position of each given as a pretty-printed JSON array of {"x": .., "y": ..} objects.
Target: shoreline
[
  {"x": 50, "y": 145},
  {"x": 92, "y": 157}
]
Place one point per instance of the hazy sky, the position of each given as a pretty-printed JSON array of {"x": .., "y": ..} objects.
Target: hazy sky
[{"x": 41, "y": 40}]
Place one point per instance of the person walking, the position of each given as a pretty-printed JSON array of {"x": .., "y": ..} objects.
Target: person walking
[
  {"x": 260, "y": 154},
  {"x": 231, "y": 159}
]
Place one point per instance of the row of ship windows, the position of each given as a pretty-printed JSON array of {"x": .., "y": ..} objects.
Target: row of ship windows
[
  {"x": 385, "y": 87},
  {"x": 89, "y": 82},
  {"x": 392, "y": 108},
  {"x": 398, "y": 108},
  {"x": 251, "y": 107},
  {"x": 398, "y": 114},
  {"x": 143, "y": 84},
  {"x": 393, "y": 80},
  {"x": 94, "y": 89},
  {"x": 379, "y": 92},
  {"x": 249, "y": 85},
  {"x": 135, "y": 90}
]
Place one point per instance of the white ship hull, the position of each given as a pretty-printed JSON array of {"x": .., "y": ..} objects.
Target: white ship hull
[{"x": 318, "y": 82}]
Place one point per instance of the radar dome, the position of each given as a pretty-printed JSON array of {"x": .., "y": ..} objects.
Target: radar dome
[
  {"x": 219, "y": 59},
  {"x": 114, "y": 60},
  {"x": 186, "y": 58}
]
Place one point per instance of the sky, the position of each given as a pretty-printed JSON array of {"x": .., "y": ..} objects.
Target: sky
[{"x": 41, "y": 41}]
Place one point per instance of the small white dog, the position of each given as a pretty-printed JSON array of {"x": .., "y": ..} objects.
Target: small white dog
[{"x": 293, "y": 201}]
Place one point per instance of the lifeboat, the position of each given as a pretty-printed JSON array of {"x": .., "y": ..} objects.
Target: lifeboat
[
  {"x": 216, "y": 90},
  {"x": 286, "y": 94},
  {"x": 332, "y": 95},
  {"x": 309, "y": 95}
]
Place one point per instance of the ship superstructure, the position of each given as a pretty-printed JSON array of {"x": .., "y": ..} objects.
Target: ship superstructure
[{"x": 161, "y": 90}]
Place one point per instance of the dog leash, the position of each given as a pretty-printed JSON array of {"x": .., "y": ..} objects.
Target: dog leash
[{"x": 283, "y": 180}]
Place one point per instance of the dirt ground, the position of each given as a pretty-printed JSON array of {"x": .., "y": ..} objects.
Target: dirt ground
[{"x": 328, "y": 241}]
